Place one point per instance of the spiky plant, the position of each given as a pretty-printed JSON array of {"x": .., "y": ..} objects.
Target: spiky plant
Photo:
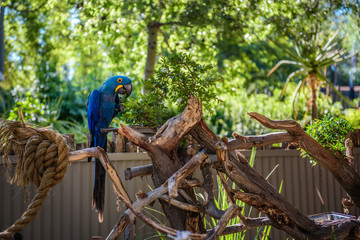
[{"x": 311, "y": 58}]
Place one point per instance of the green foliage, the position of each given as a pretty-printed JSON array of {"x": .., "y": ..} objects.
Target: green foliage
[
  {"x": 231, "y": 114},
  {"x": 353, "y": 117},
  {"x": 180, "y": 77},
  {"x": 330, "y": 132},
  {"x": 177, "y": 78}
]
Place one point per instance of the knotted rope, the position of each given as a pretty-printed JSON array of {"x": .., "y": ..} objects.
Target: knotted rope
[{"x": 43, "y": 160}]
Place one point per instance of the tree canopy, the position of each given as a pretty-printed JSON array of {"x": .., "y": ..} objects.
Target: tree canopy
[{"x": 58, "y": 51}]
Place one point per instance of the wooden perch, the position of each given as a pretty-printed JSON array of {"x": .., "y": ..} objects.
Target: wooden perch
[
  {"x": 230, "y": 213},
  {"x": 139, "y": 171},
  {"x": 349, "y": 145},
  {"x": 129, "y": 215},
  {"x": 248, "y": 142},
  {"x": 243, "y": 226},
  {"x": 100, "y": 154},
  {"x": 182, "y": 205},
  {"x": 247, "y": 179},
  {"x": 176, "y": 128},
  {"x": 183, "y": 172},
  {"x": 344, "y": 173},
  {"x": 211, "y": 208}
]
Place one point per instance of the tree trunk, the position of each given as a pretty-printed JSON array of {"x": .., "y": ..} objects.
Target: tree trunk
[
  {"x": 153, "y": 29},
  {"x": 162, "y": 148},
  {"x": 313, "y": 81}
]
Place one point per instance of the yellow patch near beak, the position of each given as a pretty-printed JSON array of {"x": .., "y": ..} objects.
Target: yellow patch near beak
[{"x": 117, "y": 88}]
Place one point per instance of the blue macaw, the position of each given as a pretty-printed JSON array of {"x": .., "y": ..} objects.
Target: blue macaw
[{"x": 103, "y": 105}]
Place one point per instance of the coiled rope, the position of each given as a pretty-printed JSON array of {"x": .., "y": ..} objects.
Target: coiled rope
[{"x": 43, "y": 159}]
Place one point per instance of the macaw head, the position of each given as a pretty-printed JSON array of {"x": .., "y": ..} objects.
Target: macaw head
[{"x": 119, "y": 84}]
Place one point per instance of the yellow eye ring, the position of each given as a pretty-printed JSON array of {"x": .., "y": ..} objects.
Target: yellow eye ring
[{"x": 119, "y": 80}]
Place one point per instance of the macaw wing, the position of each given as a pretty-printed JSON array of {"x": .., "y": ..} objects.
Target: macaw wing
[
  {"x": 93, "y": 115},
  {"x": 93, "y": 110}
]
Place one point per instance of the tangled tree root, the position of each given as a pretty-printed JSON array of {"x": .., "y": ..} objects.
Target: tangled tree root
[{"x": 43, "y": 159}]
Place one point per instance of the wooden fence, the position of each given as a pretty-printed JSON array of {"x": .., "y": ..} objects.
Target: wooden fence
[{"x": 67, "y": 212}]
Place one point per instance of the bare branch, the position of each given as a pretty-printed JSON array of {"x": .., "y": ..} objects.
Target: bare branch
[
  {"x": 280, "y": 124},
  {"x": 104, "y": 159},
  {"x": 134, "y": 210},
  {"x": 249, "y": 224},
  {"x": 83, "y": 153},
  {"x": 349, "y": 145},
  {"x": 230, "y": 213},
  {"x": 128, "y": 216},
  {"x": 183, "y": 172},
  {"x": 344, "y": 173},
  {"x": 226, "y": 187},
  {"x": 182, "y": 205},
  {"x": 100, "y": 154},
  {"x": 177, "y": 127},
  {"x": 248, "y": 142},
  {"x": 138, "y": 171},
  {"x": 211, "y": 208}
]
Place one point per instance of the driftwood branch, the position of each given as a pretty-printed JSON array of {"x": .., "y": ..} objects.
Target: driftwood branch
[
  {"x": 160, "y": 148},
  {"x": 100, "y": 154},
  {"x": 183, "y": 172},
  {"x": 177, "y": 127},
  {"x": 250, "y": 223},
  {"x": 349, "y": 145},
  {"x": 248, "y": 142},
  {"x": 138, "y": 171},
  {"x": 344, "y": 173},
  {"x": 230, "y": 213},
  {"x": 182, "y": 205},
  {"x": 247, "y": 179},
  {"x": 135, "y": 211},
  {"x": 211, "y": 208}
]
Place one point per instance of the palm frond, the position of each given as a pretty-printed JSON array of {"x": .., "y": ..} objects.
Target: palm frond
[
  {"x": 331, "y": 41},
  {"x": 293, "y": 54},
  {"x": 283, "y": 62},
  {"x": 347, "y": 57},
  {"x": 293, "y": 74}
]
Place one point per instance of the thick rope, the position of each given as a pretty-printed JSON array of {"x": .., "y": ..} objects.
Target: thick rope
[{"x": 43, "y": 160}]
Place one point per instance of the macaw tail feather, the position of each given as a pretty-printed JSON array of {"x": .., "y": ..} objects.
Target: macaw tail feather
[{"x": 99, "y": 190}]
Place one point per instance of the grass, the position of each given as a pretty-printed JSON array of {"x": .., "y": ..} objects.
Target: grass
[{"x": 222, "y": 202}]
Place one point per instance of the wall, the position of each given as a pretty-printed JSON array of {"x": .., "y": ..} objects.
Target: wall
[{"x": 67, "y": 213}]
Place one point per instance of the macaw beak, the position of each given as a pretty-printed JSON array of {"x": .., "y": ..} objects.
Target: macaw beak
[{"x": 124, "y": 89}]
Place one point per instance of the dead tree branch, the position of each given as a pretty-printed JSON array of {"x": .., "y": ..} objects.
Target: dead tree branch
[
  {"x": 340, "y": 168},
  {"x": 248, "y": 142},
  {"x": 183, "y": 172},
  {"x": 100, "y": 154},
  {"x": 139, "y": 171},
  {"x": 249, "y": 224},
  {"x": 211, "y": 208},
  {"x": 230, "y": 213}
]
